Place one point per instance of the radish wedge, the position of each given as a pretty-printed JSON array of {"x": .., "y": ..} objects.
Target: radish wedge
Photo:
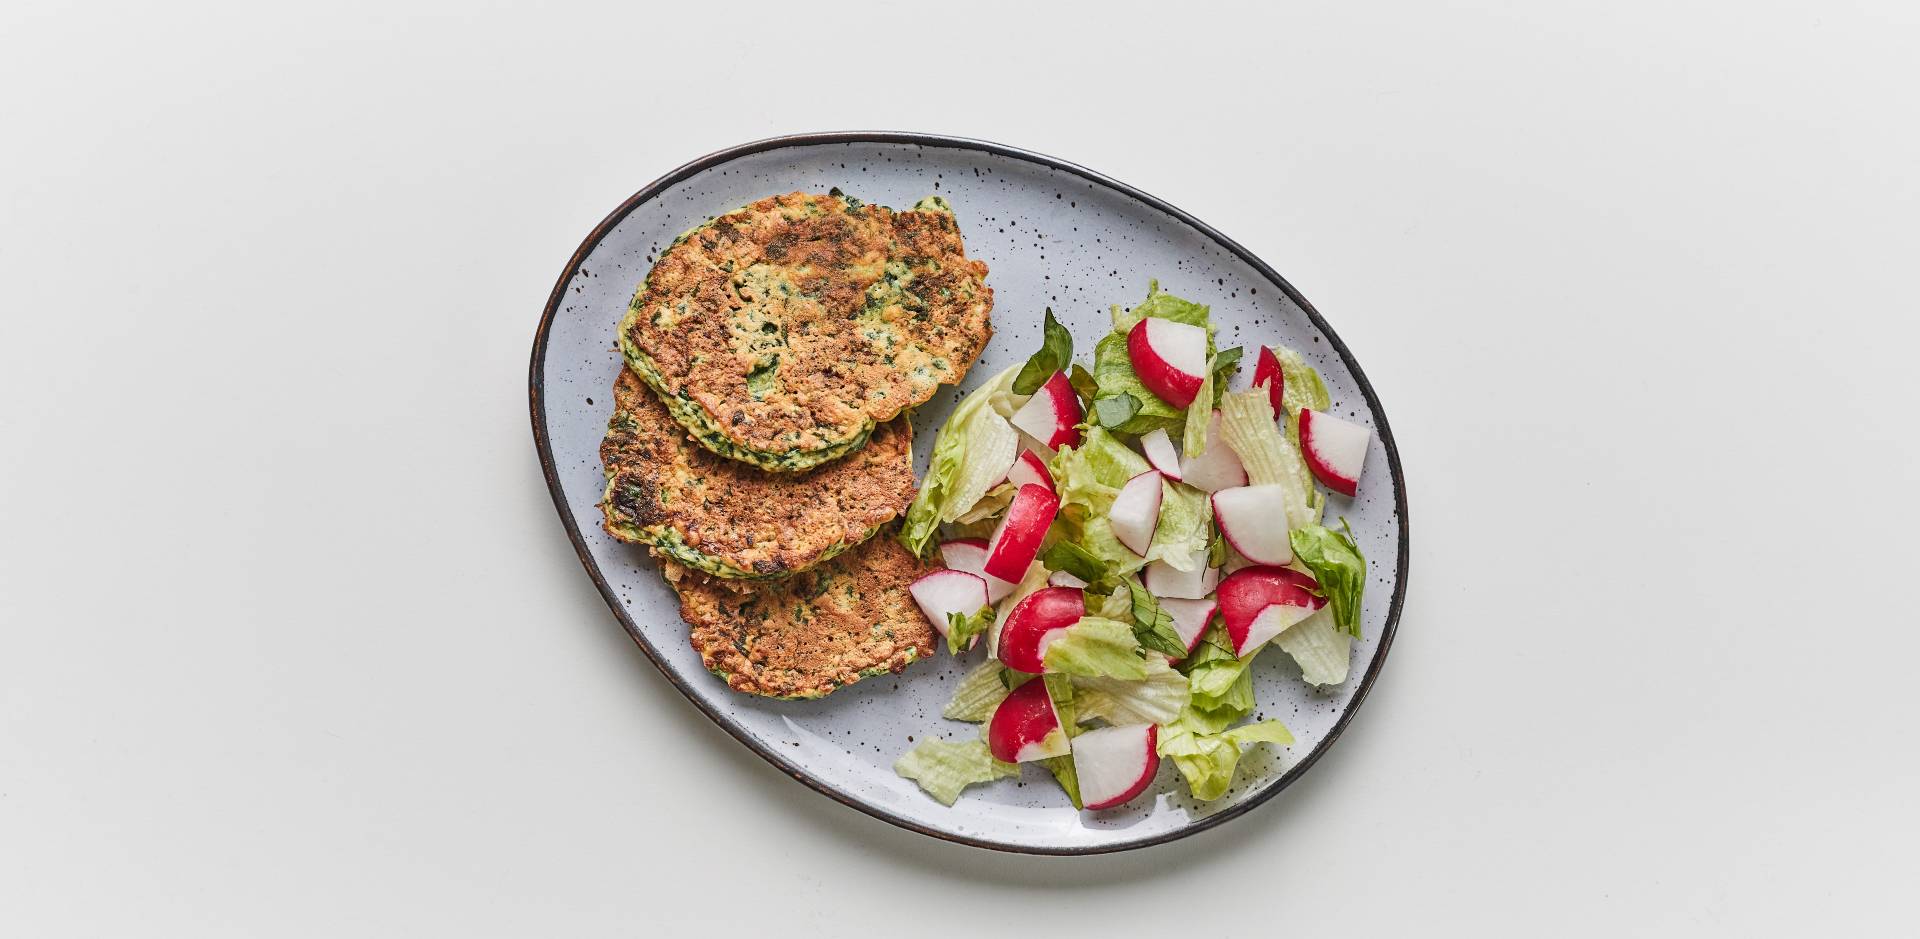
[
  {"x": 1217, "y": 467},
  {"x": 1015, "y": 543},
  {"x": 1170, "y": 358},
  {"x": 1051, "y": 418},
  {"x": 1115, "y": 764},
  {"x": 1190, "y": 617},
  {"x": 1254, "y": 520},
  {"x": 1259, "y": 603},
  {"x": 1160, "y": 452},
  {"x": 970, "y": 555},
  {"x": 943, "y": 593},
  {"x": 1030, "y": 470},
  {"x": 1034, "y": 623},
  {"x": 1136, "y": 510},
  {"x": 1267, "y": 372},
  {"x": 1164, "y": 580},
  {"x": 1336, "y": 450},
  {"x": 1026, "y": 726}
]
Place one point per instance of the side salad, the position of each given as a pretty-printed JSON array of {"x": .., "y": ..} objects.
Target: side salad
[{"x": 1127, "y": 541}]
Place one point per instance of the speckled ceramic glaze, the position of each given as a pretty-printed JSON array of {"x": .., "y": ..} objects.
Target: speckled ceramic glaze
[{"x": 1054, "y": 235}]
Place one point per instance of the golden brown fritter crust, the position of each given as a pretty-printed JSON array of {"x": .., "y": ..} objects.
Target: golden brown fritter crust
[
  {"x": 814, "y": 632},
  {"x": 729, "y": 519},
  {"x": 779, "y": 334}
]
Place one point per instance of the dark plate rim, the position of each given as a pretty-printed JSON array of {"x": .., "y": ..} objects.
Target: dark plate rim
[{"x": 537, "y": 399}]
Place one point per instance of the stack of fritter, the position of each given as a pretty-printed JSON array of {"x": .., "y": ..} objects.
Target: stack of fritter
[{"x": 784, "y": 344}]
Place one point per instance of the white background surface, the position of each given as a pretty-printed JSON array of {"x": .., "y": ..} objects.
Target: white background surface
[{"x": 291, "y": 642}]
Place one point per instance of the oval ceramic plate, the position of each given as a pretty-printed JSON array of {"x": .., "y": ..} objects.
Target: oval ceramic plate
[{"x": 1054, "y": 235}]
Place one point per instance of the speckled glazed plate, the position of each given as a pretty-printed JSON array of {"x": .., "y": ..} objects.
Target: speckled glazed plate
[{"x": 1054, "y": 235}]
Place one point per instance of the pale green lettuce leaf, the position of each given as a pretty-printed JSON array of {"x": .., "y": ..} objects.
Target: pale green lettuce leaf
[
  {"x": 974, "y": 443},
  {"x": 1097, "y": 647},
  {"x": 1208, "y": 760},
  {"x": 1247, "y": 423},
  {"x": 1116, "y": 605},
  {"x": 990, "y": 505},
  {"x": 1220, "y": 686},
  {"x": 1193, "y": 439},
  {"x": 980, "y": 691},
  {"x": 944, "y": 767},
  {"x": 1302, "y": 389},
  {"x": 963, "y": 629},
  {"x": 1065, "y": 703},
  {"x": 1156, "y": 699},
  {"x": 1087, "y": 478},
  {"x": 1185, "y": 528},
  {"x": 1321, "y": 647},
  {"x": 1091, "y": 475},
  {"x": 1164, "y": 305},
  {"x": 1336, "y": 562}
]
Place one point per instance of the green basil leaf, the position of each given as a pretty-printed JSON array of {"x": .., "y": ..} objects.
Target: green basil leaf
[
  {"x": 1115, "y": 411},
  {"x": 1153, "y": 626},
  {"x": 1073, "y": 559},
  {"x": 1056, "y": 352}
]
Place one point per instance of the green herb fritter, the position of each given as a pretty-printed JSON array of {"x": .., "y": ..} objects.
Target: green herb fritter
[
  {"x": 782, "y": 333},
  {"x": 729, "y": 519},
  {"x": 803, "y": 637}
]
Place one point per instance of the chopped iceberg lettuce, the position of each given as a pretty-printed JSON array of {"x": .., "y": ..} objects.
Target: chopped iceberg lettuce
[
  {"x": 944, "y": 767},
  {"x": 970, "y": 455}
]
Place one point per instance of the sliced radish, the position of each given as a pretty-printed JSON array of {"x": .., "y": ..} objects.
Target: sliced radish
[
  {"x": 970, "y": 555},
  {"x": 1217, "y": 467},
  {"x": 1015, "y": 543},
  {"x": 1259, "y": 603},
  {"x": 1064, "y": 579},
  {"x": 1035, "y": 622},
  {"x": 1267, "y": 372},
  {"x": 1164, "y": 580},
  {"x": 1189, "y": 617},
  {"x": 1169, "y": 357},
  {"x": 1336, "y": 450},
  {"x": 1030, "y": 470},
  {"x": 1114, "y": 764},
  {"x": 1160, "y": 452},
  {"x": 1136, "y": 510},
  {"x": 1254, "y": 520},
  {"x": 1052, "y": 416},
  {"x": 942, "y": 593},
  {"x": 1026, "y": 726}
]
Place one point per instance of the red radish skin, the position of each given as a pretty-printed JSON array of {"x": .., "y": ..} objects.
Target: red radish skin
[
  {"x": 1037, "y": 620},
  {"x": 1051, "y": 418},
  {"x": 1115, "y": 764},
  {"x": 1160, "y": 453},
  {"x": 970, "y": 555},
  {"x": 1029, "y": 470},
  {"x": 1267, "y": 371},
  {"x": 1254, "y": 520},
  {"x": 1190, "y": 617},
  {"x": 1247, "y": 595},
  {"x": 1026, "y": 726},
  {"x": 1136, "y": 510},
  {"x": 1335, "y": 450},
  {"x": 941, "y": 593},
  {"x": 1167, "y": 359},
  {"x": 1015, "y": 543}
]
